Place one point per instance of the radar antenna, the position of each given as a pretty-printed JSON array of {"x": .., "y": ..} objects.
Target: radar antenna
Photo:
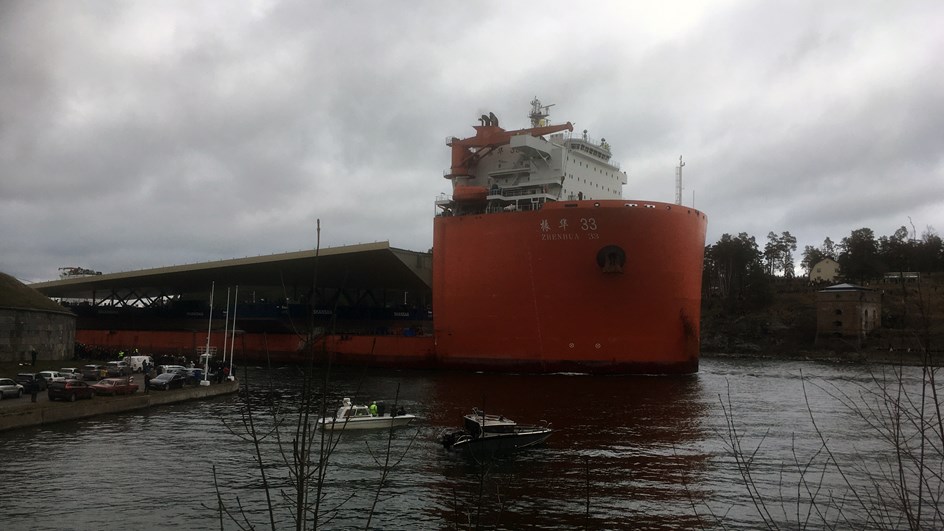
[
  {"x": 539, "y": 113},
  {"x": 678, "y": 182}
]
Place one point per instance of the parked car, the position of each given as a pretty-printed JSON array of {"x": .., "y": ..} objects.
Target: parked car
[
  {"x": 93, "y": 372},
  {"x": 115, "y": 386},
  {"x": 168, "y": 380},
  {"x": 195, "y": 375},
  {"x": 9, "y": 388},
  {"x": 117, "y": 368},
  {"x": 70, "y": 390},
  {"x": 29, "y": 379},
  {"x": 71, "y": 373},
  {"x": 51, "y": 376},
  {"x": 171, "y": 368}
]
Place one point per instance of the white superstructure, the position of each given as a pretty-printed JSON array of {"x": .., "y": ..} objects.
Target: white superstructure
[{"x": 531, "y": 170}]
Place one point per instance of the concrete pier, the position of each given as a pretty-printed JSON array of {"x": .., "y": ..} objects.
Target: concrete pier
[{"x": 22, "y": 412}]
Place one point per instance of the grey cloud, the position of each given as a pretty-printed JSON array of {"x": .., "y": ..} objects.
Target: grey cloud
[{"x": 138, "y": 134}]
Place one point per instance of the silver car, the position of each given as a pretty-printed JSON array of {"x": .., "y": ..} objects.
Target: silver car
[
  {"x": 9, "y": 388},
  {"x": 71, "y": 373},
  {"x": 51, "y": 376}
]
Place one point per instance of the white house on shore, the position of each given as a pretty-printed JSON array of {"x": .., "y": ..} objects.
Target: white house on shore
[{"x": 826, "y": 270}]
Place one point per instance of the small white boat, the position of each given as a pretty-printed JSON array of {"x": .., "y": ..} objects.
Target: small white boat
[{"x": 351, "y": 417}]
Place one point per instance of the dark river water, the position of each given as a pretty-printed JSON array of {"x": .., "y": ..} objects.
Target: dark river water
[{"x": 628, "y": 452}]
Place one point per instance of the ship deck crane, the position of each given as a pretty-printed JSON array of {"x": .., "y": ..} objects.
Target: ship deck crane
[{"x": 467, "y": 152}]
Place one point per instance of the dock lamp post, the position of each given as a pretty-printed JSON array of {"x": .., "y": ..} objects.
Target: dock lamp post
[
  {"x": 232, "y": 341},
  {"x": 204, "y": 381}
]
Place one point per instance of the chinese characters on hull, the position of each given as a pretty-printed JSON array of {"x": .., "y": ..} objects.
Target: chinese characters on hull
[{"x": 583, "y": 228}]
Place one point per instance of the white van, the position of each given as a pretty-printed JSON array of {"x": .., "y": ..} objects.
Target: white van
[{"x": 137, "y": 362}]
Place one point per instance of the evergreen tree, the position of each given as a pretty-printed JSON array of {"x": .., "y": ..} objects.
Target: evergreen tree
[
  {"x": 734, "y": 271},
  {"x": 778, "y": 254},
  {"x": 811, "y": 257},
  {"x": 858, "y": 259},
  {"x": 929, "y": 255},
  {"x": 829, "y": 249}
]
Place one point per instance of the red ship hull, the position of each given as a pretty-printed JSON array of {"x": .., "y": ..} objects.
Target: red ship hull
[{"x": 533, "y": 291}]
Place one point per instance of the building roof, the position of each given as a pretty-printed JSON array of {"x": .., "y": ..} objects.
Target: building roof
[
  {"x": 362, "y": 266},
  {"x": 845, "y": 287},
  {"x": 17, "y": 295}
]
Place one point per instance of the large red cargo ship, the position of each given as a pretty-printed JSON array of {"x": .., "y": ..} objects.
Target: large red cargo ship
[{"x": 539, "y": 265}]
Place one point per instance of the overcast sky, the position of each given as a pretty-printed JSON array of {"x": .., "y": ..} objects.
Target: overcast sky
[{"x": 144, "y": 134}]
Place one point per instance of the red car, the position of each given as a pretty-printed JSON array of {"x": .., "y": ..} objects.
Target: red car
[
  {"x": 70, "y": 390},
  {"x": 115, "y": 386}
]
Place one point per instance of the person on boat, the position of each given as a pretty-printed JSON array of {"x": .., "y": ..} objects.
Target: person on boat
[{"x": 373, "y": 409}]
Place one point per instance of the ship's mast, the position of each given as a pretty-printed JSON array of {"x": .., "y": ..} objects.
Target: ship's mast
[
  {"x": 678, "y": 182},
  {"x": 539, "y": 113}
]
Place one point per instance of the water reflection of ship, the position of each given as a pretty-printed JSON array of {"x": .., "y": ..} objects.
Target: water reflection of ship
[{"x": 633, "y": 435}]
